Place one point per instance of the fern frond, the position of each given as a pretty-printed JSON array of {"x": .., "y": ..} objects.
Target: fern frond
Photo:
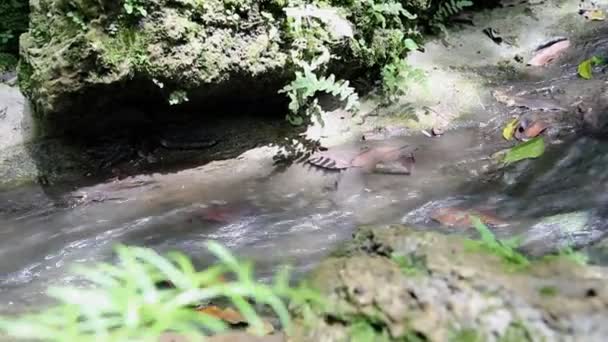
[{"x": 450, "y": 8}]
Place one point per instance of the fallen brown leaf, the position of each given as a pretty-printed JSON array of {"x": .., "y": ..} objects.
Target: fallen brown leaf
[
  {"x": 548, "y": 54},
  {"x": 535, "y": 129},
  {"x": 461, "y": 218},
  {"x": 228, "y": 314}
]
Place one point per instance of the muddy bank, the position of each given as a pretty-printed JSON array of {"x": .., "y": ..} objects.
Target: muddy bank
[{"x": 395, "y": 282}]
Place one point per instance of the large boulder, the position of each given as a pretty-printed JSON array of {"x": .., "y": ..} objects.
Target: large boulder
[
  {"x": 81, "y": 59},
  {"x": 82, "y": 55}
]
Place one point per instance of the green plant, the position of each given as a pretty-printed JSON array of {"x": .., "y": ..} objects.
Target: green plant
[
  {"x": 570, "y": 254},
  {"x": 178, "y": 97},
  {"x": 410, "y": 265},
  {"x": 312, "y": 31},
  {"x": 516, "y": 332},
  {"x": 384, "y": 10},
  {"x": 505, "y": 249},
  {"x": 135, "y": 8},
  {"x": 397, "y": 78},
  {"x": 447, "y": 9},
  {"x": 302, "y": 92},
  {"x": 363, "y": 331},
  {"x": 77, "y": 19},
  {"x": 125, "y": 302},
  {"x": 380, "y": 39},
  {"x": 548, "y": 291},
  {"x": 465, "y": 335},
  {"x": 125, "y": 45}
]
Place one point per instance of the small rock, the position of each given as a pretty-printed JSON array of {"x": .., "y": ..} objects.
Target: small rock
[{"x": 437, "y": 131}]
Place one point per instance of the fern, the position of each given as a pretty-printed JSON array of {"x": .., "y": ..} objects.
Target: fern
[
  {"x": 306, "y": 85},
  {"x": 379, "y": 11},
  {"x": 397, "y": 78},
  {"x": 450, "y": 8},
  {"x": 447, "y": 9}
]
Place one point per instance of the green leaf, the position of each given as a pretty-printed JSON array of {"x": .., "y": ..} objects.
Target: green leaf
[
  {"x": 485, "y": 233},
  {"x": 295, "y": 120},
  {"x": 530, "y": 149},
  {"x": 410, "y": 44},
  {"x": 585, "y": 69}
]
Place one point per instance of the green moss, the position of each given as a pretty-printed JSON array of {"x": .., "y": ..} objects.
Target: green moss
[
  {"x": 410, "y": 265},
  {"x": 24, "y": 76},
  {"x": 548, "y": 291},
  {"x": 466, "y": 335},
  {"x": 127, "y": 46},
  {"x": 516, "y": 332}
]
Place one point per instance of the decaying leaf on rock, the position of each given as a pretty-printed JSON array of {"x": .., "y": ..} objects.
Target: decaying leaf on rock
[
  {"x": 548, "y": 52},
  {"x": 461, "y": 218},
  {"x": 527, "y": 130}
]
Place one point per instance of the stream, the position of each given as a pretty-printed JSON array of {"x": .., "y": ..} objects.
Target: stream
[
  {"x": 267, "y": 222},
  {"x": 274, "y": 218}
]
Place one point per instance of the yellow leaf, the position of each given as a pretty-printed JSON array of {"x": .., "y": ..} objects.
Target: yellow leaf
[
  {"x": 585, "y": 69},
  {"x": 596, "y": 14},
  {"x": 509, "y": 129},
  {"x": 268, "y": 329}
]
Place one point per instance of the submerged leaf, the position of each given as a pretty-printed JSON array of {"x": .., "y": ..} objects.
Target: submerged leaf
[
  {"x": 509, "y": 129},
  {"x": 530, "y": 149}
]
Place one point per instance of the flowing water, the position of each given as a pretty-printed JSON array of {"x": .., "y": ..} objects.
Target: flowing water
[
  {"x": 268, "y": 221},
  {"x": 291, "y": 216}
]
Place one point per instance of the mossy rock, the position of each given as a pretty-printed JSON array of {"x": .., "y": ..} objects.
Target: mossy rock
[
  {"x": 87, "y": 58},
  {"x": 457, "y": 293},
  {"x": 82, "y": 55}
]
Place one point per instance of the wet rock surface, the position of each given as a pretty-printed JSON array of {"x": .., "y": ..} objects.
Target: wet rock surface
[{"x": 437, "y": 289}]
